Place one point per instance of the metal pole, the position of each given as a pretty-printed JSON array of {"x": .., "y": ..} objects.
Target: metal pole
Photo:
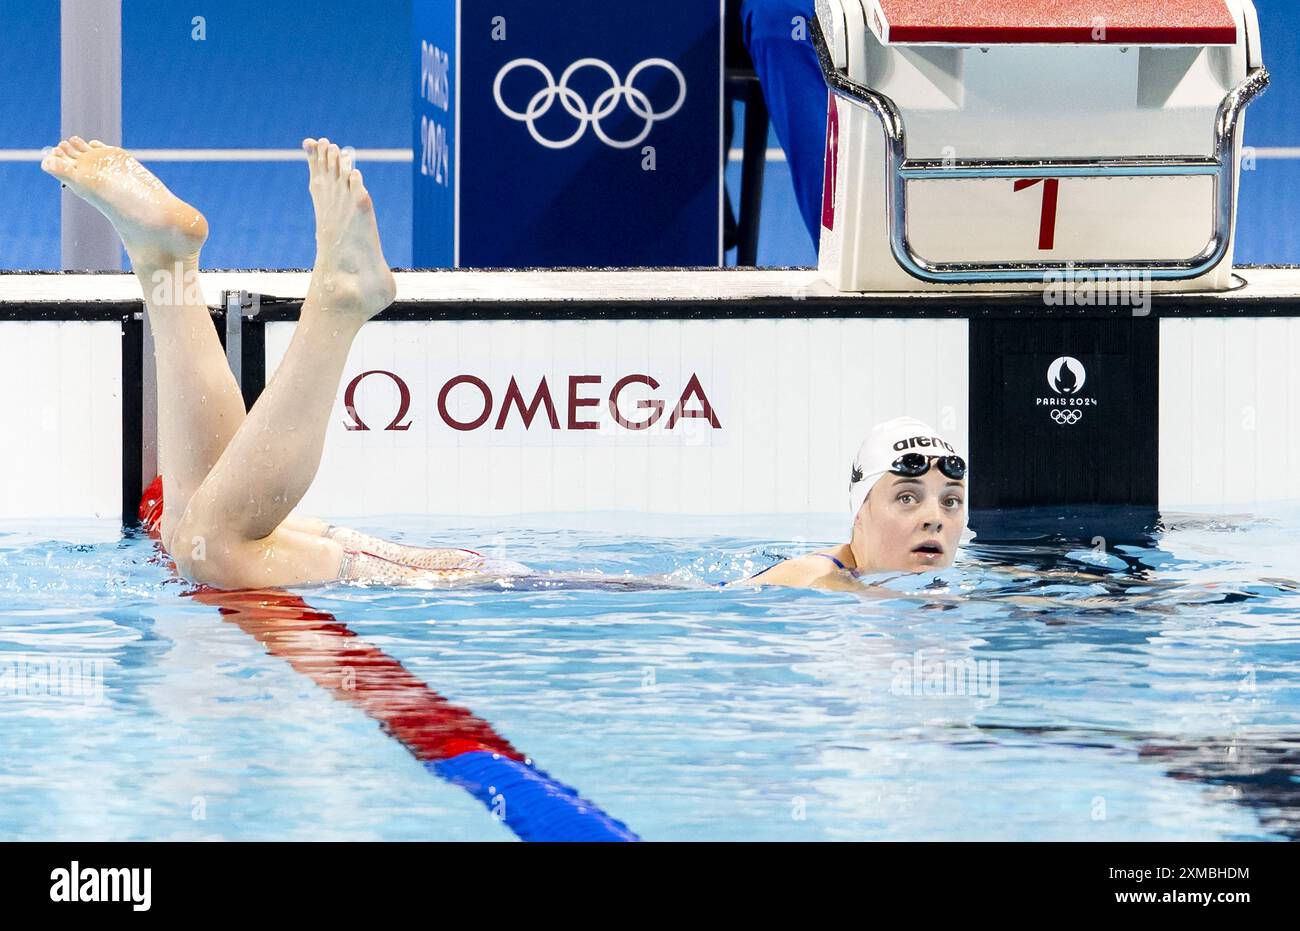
[
  {"x": 149, "y": 466},
  {"x": 91, "y": 100},
  {"x": 90, "y": 74}
]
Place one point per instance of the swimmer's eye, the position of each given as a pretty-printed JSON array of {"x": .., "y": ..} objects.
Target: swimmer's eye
[
  {"x": 906, "y": 494},
  {"x": 955, "y": 501}
]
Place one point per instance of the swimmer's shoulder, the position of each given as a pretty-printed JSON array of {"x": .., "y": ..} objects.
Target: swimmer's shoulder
[{"x": 823, "y": 569}]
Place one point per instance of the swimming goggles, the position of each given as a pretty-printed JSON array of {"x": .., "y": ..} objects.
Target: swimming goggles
[{"x": 914, "y": 464}]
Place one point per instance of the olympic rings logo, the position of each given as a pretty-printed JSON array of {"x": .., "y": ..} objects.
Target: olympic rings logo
[
  {"x": 605, "y": 104},
  {"x": 1067, "y": 416}
]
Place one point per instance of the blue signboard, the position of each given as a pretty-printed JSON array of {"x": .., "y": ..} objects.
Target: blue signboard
[
  {"x": 434, "y": 216},
  {"x": 568, "y": 133}
]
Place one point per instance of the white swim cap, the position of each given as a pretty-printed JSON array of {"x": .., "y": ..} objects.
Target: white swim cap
[{"x": 885, "y": 443}]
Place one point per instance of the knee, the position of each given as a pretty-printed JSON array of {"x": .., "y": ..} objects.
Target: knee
[{"x": 206, "y": 553}]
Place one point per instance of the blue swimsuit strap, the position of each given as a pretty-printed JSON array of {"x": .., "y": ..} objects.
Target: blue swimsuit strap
[{"x": 831, "y": 558}]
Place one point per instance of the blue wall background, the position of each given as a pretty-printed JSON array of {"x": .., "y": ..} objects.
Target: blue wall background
[{"x": 270, "y": 73}]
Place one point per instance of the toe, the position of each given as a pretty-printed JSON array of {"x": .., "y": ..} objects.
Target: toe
[
  {"x": 96, "y": 144},
  {"x": 332, "y": 161},
  {"x": 347, "y": 155},
  {"x": 67, "y": 149},
  {"x": 322, "y": 146},
  {"x": 79, "y": 144},
  {"x": 354, "y": 179},
  {"x": 57, "y": 163}
]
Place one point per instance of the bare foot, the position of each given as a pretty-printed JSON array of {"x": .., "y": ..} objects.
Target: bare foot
[
  {"x": 351, "y": 276},
  {"x": 156, "y": 226}
]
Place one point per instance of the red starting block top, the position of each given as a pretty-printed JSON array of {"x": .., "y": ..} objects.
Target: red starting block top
[{"x": 1054, "y": 22}]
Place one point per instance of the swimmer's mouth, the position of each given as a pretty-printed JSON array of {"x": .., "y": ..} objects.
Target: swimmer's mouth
[{"x": 931, "y": 548}]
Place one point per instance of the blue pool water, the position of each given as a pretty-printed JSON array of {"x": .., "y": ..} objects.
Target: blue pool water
[{"x": 1158, "y": 698}]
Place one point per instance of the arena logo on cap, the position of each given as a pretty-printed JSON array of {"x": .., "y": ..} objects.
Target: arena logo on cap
[
  {"x": 915, "y": 441},
  {"x": 1066, "y": 377}
]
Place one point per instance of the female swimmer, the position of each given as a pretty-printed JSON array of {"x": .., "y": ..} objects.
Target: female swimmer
[{"x": 232, "y": 479}]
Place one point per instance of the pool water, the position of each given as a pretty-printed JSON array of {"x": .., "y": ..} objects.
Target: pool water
[{"x": 1148, "y": 689}]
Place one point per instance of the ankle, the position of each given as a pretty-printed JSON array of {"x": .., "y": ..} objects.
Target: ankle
[
  {"x": 148, "y": 262},
  {"x": 168, "y": 279},
  {"x": 335, "y": 320},
  {"x": 335, "y": 289}
]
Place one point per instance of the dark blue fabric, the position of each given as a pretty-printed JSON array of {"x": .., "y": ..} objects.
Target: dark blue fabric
[
  {"x": 831, "y": 558},
  {"x": 531, "y": 803},
  {"x": 795, "y": 92}
]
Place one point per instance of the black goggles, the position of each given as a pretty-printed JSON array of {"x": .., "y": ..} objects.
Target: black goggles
[{"x": 914, "y": 464}]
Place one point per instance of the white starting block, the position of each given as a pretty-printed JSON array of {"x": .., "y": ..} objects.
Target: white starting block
[{"x": 1006, "y": 144}]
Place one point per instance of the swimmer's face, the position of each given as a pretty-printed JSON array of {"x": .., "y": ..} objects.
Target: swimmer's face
[{"x": 910, "y": 524}]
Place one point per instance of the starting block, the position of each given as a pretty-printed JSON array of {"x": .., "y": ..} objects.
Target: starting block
[{"x": 1012, "y": 144}]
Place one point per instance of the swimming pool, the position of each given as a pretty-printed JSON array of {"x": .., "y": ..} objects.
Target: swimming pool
[{"x": 1156, "y": 702}]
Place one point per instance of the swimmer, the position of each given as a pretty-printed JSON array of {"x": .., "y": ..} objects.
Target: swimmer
[
  {"x": 907, "y": 495},
  {"x": 232, "y": 477}
]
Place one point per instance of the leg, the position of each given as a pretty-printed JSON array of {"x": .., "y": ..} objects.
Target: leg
[
  {"x": 200, "y": 405},
  {"x": 415, "y": 557},
  {"x": 271, "y": 460}
]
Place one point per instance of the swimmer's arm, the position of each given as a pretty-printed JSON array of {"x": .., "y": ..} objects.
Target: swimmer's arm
[
  {"x": 815, "y": 575},
  {"x": 810, "y": 571},
  {"x": 798, "y": 572},
  {"x": 837, "y": 580},
  {"x": 815, "y": 571}
]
